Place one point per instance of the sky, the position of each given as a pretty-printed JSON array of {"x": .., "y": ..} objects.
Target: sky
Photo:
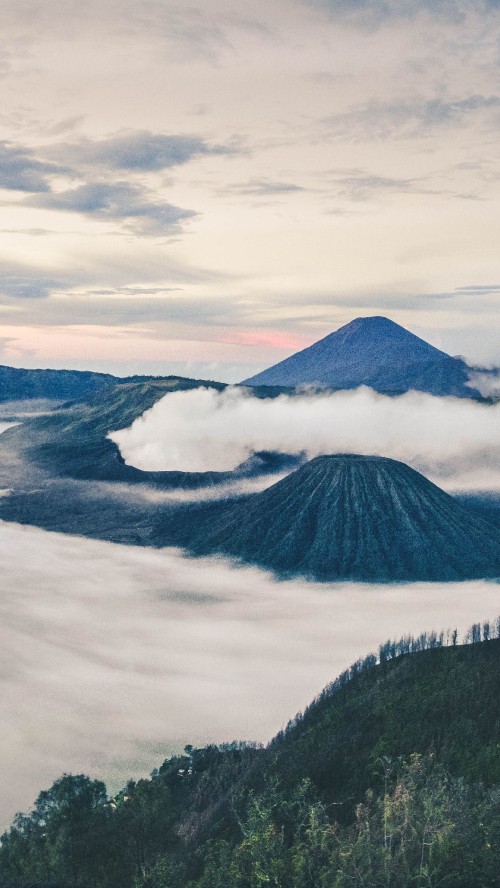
[
  {"x": 177, "y": 651},
  {"x": 204, "y": 188}
]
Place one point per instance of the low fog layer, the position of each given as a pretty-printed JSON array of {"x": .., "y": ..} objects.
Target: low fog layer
[
  {"x": 113, "y": 657},
  {"x": 487, "y": 382},
  {"x": 454, "y": 441},
  {"x": 6, "y": 425}
]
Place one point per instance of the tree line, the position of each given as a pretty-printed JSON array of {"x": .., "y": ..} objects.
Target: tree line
[{"x": 390, "y": 779}]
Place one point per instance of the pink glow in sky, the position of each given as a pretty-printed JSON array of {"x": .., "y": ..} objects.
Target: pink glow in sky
[
  {"x": 222, "y": 186},
  {"x": 274, "y": 339}
]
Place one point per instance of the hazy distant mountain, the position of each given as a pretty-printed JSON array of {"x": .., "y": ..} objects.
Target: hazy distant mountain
[
  {"x": 18, "y": 384},
  {"x": 348, "y": 517},
  {"x": 375, "y": 352}
]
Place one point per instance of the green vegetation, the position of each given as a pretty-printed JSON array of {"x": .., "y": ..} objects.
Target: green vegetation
[{"x": 390, "y": 778}]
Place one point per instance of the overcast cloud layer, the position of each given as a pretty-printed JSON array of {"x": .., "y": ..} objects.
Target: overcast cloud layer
[
  {"x": 114, "y": 657},
  {"x": 452, "y": 440},
  {"x": 224, "y": 184}
]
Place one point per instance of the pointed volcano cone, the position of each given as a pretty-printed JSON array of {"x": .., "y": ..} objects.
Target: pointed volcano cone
[
  {"x": 376, "y": 352},
  {"x": 353, "y": 517}
]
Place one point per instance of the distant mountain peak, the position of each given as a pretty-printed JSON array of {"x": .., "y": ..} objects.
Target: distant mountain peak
[
  {"x": 379, "y": 325},
  {"x": 377, "y": 331},
  {"x": 373, "y": 351},
  {"x": 373, "y": 322}
]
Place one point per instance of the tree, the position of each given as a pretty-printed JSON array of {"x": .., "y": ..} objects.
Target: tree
[{"x": 62, "y": 838}]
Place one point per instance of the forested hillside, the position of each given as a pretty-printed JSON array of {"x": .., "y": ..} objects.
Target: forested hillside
[{"x": 390, "y": 778}]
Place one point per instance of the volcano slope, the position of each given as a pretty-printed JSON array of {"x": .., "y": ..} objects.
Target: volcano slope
[
  {"x": 346, "y": 517},
  {"x": 376, "y": 352}
]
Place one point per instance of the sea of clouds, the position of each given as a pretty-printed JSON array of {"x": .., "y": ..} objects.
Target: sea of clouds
[
  {"x": 113, "y": 657},
  {"x": 453, "y": 441}
]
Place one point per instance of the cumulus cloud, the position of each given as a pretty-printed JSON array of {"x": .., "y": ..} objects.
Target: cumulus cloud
[
  {"x": 487, "y": 382},
  {"x": 10, "y": 411},
  {"x": 136, "y": 151},
  {"x": 263, "y": 188},
  {"x": 23, "y": 281},
  {"x": 472, "y": 290},
  {"x": 117, "y": 273},
  {"x": 204, "y": 493},
  {"x": 359, "y": 185},
  {"x": 188, "y": 31},
  {"x": 20, "y": 170},
  {"x": 453, "y": 440},
  {"x": 118, "y": 201},
  {"x": 114, "y": 657}
]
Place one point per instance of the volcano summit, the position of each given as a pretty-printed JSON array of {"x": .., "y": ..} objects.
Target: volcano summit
[{"x": 375, "y": 352}]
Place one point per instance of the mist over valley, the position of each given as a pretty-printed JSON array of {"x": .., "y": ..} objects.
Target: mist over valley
[
  {"x": 119, "y": 649},
  {"x": 113, "y": 657}
]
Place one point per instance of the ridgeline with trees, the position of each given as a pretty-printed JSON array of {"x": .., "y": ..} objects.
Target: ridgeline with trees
[{"x": 390, "y": 778}]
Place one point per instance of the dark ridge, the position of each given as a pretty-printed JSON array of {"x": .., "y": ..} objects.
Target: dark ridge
[
  {"x": 18, "y": 384},
  {"x": 346, "y": 517},
  {"x": 375, "y": 352},
  {"x": 404, "y": 752}
]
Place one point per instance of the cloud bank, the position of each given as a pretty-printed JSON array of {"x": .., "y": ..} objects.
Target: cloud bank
[
  {"x": 487, "y": 382},
  {"x": 453, "y": 440},
  {"x": 413, "y": 118},
  {"x": 139, "y": 151},
  {"x": 374, "y": 13},
  {"x": 20, "y": 170},
  {"x": 112, "y": 657},
  {"x": 93, "y": 162},
  {"x": 117, "y": 201}
]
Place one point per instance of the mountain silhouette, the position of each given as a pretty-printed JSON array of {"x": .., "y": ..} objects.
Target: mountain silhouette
[
  {"x": 375, "y": 352},
  {"x": 346, "y": 517}
]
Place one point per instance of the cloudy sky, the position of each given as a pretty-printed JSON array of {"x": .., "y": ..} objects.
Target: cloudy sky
[{"x": 206, "y": 187}]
